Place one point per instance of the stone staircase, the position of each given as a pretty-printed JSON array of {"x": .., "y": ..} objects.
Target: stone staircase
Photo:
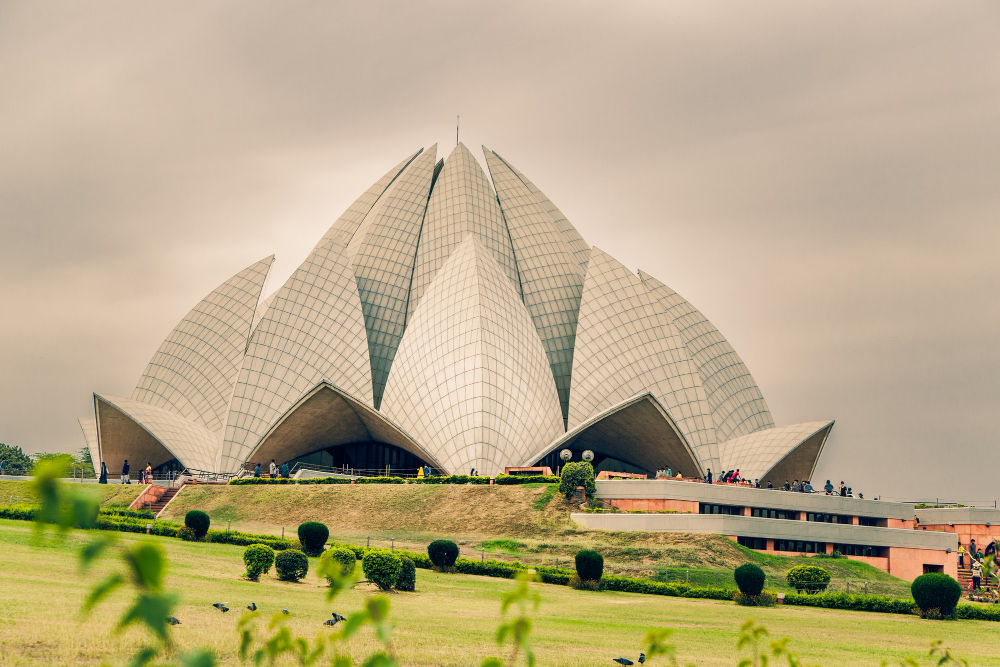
[{"x": 159, "y": 504}]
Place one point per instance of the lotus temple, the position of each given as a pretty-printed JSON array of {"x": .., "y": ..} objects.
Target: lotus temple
[{"x": 452, "y": 319}]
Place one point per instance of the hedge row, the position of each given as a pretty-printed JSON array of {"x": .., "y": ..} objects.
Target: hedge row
[
  {"x": 879, "y": 603},
  {"x": 449, "y": 479},
  {"x": 135, "y": 521}
]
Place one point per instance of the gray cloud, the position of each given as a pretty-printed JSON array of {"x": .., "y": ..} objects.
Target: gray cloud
[{"x": 819, "y": 178}]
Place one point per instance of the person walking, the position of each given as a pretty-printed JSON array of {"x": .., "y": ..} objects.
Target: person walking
[
  {"x": 147, "y": 474},
  {"x": 708, "y": 476},
  {"x": 977, "y": 574},
  {"x": 125, "y": 469},
  {"x": 256, "y": 469},
  {"x": 284, "y": 471},
  {"x": 273, "y": 470},
  {"x": 103, "y": 479},
  {"x": 961, "y": 556}
]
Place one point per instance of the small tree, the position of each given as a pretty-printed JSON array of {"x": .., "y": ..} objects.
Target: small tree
[
  {"x": 808, "y": 578},
  {"x": 589, "y": 565},
  {"x": 382, "y": 568},
  {"x": 442, "y": 553},
  {"x": 18, "y": 463},
  {"x": 577, "y": 473},
  {"x": 749, "y": 578},
  {"x": 291, "y": 565},
  {"x": 258, "y": 558},
  {"x": 197, "y": 521},
  {"x": 407, "y": 575},
  {"x": 346, "y": 561},
  {"x": 313, "y": 536},
  {"x": 936, "y": 592}
]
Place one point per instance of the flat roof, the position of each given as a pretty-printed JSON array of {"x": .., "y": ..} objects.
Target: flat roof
[
  {"x": 779, "y": 529},
  {"x": 744, "y": 496}
]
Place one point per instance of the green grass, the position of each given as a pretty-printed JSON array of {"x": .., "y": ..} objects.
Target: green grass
[
  {"x": 111, "y": 495},
  {"x": 449, "y": 620}
]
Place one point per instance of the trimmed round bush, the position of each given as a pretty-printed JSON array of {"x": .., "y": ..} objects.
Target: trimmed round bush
[
  {"x": 345, "y": 561},
  {"x": 574, "y": 474},
  {"x": 187, "y": 534},
  {"x": 291, "y": 565},
  {"x": 749, "y": 578},
  {"x": 382, "y": 568},
  {"x": 258, "y": 558},
  {"x": 197, "y": 521},
  {"x": 589, "y": 565},
  {"x": 808, "y": 578},
  {"x": 313, "y": 536},
  {"x": 407, "y": 575},
  {"x": 936, "y": 591},
  {"x": 442, "y": 553}
]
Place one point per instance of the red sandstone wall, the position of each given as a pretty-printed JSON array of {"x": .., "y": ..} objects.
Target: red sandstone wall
[
  {"x": 909, "y": 563},
  {"x": 983, "y": 534},
  {"x": 656, "y": 504}
]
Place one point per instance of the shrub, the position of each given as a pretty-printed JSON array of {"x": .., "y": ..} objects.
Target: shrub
[
  {"x": 258, "y": 558},
  {"x": 584, "y": 584},
  {"x": 197, "y": 521},
  {"x": 577, "y": 473},
  {"x": 246, "y": 539},
  {"x": 488, "y": 568},
  {"x": 443, "y": 553},
  {"x": 291, "y": 565},
  {"x": 382, "y": 568},
  {"x": 877, "y": 603},
  {"x": 711, "y": 593},
  {"x": 808, "y": 578},
  {"x": 185, "y": 533},
  {"x": 345, "y": 559},
  {"x": 553, "y": 575},
  {"x": 749, "y": 578},
  {"x": 763, "y": 599},
  {"x": 407, "y": 575},
  {"x": 936, "y": 591},
  {"x": 313, "y": 536},
  {"x": 526, "y": 479},
  {"x": 589, "y": 565}
]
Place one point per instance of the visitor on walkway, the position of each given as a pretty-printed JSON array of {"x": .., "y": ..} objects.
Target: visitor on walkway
[
  {"x": 977, "y": 574},
  {"x": 3, "y": 466},
  {"x": 973, "y": 549},
  {"x": 807, "y": 487},
  {"x": 256, "y": 469},
  {"x": 125, "y": 468},
  {"x": 961, "y": 555},
  {"x": 828, "y": 488},
  {"x": 284, "y": 471},
  {"x": 104, "y": 473},
  {"x": 147, "y": 474},
  {"x": 708, "y": 476},
  {"x": 788, "y": 487},
  {"x": 769, "y": 485},
  {"x": 843, "y": 489},
  {"x": 273, "y": 470},
  {"x": 991, "y": 549},
  {"x": 679, "y": 475},
  {"x": 796, "y": 487},
  {"x": 756, "y": 483}
]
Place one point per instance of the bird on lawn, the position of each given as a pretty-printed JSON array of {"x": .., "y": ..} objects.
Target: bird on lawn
[
  {"x": 623, "y": 661},
  {"x": 219, "y": 605},
  {"x": 642, "y": 658},
  {"x": 252, "y": 606},
  {"x": 172, "y": 620},
  {"x": 284, "y": 611},
  {"x": 337, "y": 617},
  {"x": 223, "y": 609}
]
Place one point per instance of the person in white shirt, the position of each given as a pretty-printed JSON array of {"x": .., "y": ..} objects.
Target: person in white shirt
[{"x": 274, "y": 469}]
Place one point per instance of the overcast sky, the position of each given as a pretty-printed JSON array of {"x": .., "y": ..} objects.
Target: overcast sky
[{"x": 821, "y": 179}]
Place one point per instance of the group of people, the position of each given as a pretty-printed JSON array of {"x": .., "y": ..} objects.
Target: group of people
[
  {"x": 976, "y": 558},
  {"x": 273, "y": 471},
  {"x": 147, "y": 473},
  {"x": 805, "y": 486}
]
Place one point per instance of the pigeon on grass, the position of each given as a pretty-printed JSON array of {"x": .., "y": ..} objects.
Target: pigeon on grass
[
  {"x": 172, "y": 620},
  {"x": 252, "y": 606}
]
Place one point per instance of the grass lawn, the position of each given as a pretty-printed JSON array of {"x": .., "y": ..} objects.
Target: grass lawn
[
  {"x": 111, "y": 495},
  {"x": 449, "y": 620},
  {"x": 529, "y": 523}
]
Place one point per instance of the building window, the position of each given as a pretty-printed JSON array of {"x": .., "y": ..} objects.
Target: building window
[
  {"x": 862, "y": 550},
  {"x": 758, "y": 543},
  {"x": 800, "y": 546},
  {"x": 766, "y": 513},
  {"x": 705, "y": 508}
]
